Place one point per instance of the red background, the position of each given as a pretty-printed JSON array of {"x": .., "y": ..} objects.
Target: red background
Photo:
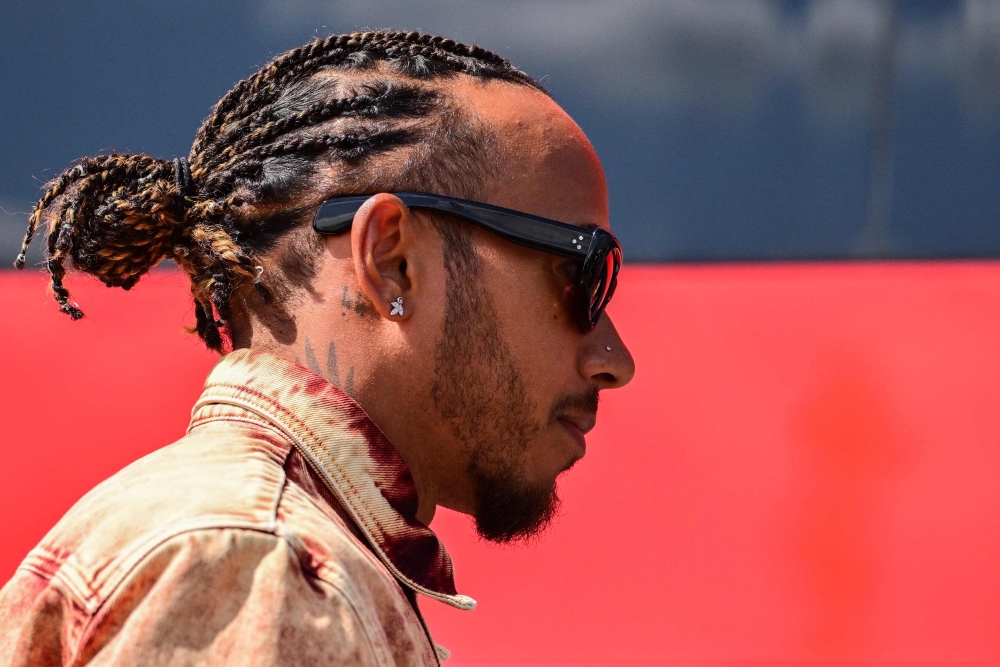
[{"x": 805, "y": 468}]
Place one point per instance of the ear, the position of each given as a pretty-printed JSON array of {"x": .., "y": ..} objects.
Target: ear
[{"x": 382, "y": 241}]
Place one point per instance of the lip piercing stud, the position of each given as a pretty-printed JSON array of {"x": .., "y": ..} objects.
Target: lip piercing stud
[
  {"x": 608, "y": 348},
  {"x": 397, "y": 306}
]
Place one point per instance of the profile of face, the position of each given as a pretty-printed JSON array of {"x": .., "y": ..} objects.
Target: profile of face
[
  {"x": 515, "y": 380},
  {"x": 462, "y": 347},
  {"x": 483, "y": 379}
]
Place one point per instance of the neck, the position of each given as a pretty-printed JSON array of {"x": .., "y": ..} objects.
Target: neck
[{"x": 383, "y": 385}]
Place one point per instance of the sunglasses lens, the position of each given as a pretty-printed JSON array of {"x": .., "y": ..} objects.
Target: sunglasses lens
[{"x": 603, "y": 287}]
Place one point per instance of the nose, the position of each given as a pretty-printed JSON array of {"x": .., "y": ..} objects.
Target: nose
[{"x": 604, "y": 358}]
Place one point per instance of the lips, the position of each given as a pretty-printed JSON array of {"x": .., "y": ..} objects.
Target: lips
[
  {"x": 577, "y": 426},
  {"x": 584, "y": 422}
]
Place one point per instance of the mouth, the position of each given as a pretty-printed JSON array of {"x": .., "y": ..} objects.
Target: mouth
[{"x": 578, "y": 426}]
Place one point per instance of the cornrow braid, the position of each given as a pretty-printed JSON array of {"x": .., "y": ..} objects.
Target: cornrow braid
[
  {"x": 438, "y": 56},
  {"x": 340, "y": 100},
  {"x": 378, "y": 100},
  {"x": 347, "y": 147}
]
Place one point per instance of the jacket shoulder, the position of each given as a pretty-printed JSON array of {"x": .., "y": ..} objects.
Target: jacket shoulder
[
  {"x": 222, "y": 474},
  {"x": 201, "y": 597}
]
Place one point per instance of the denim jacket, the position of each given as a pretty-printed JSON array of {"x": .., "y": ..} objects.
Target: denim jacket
[{"x": 281, "y": 529}]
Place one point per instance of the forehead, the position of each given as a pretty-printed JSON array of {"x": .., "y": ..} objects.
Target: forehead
[{"x": 548, "y": 167}]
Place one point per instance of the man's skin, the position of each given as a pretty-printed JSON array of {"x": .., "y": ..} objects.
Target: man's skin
[{"x": 345, "y": 330}]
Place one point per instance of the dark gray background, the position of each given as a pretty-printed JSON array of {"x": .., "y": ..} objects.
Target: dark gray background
[{"x": 730, "y": 129}]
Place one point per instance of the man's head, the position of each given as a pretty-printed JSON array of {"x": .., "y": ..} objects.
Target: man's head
[{"x": 484, "y": 382}]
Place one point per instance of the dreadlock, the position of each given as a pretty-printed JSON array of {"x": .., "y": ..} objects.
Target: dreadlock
[{"x": 344, "y": 99}]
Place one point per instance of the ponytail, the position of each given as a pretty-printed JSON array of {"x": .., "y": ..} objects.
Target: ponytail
[{"x": 117, "y": 216}]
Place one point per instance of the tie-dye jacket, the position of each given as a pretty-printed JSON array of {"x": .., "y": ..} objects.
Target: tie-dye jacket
[{"x": 280, "y": 530}]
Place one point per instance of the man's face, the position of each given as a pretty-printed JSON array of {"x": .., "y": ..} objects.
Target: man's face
[{"x": 514, "y": 379}]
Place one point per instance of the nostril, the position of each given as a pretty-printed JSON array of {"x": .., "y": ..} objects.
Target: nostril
[{"x": 605, "y": 378}]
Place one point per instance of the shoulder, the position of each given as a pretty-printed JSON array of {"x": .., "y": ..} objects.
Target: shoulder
[
  {"x": 228, "y": 594},
  {"x": 221, "y": 475},
  {"x": 204, "y": 596}
]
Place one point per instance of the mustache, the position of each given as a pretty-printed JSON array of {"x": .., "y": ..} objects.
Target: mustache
[{"x": 583, "y": 402}]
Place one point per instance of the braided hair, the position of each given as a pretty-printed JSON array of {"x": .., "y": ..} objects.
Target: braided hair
[{"x": 342, "y": 100}]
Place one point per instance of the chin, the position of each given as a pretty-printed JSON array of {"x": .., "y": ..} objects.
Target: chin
[
  {"x": 519, "y": 515},
  {"x": 557, "y": 457}
]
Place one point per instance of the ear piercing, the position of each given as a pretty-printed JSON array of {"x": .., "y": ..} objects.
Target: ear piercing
[
  {"x": 608, "y": 348},
  {"x": 397, "y": 306}
]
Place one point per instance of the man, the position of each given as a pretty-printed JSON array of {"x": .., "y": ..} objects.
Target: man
[{"x": 403, "y": 244}]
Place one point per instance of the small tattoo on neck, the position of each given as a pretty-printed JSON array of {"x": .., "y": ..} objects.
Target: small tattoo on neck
[
  {"x": 332, "y": 372},
  {"x": 349, "y": 384},
  {"x": 311, "y": 358},
  {"x": 359, "y": 304}
]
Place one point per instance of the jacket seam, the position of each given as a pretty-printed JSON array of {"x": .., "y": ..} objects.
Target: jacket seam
[
  {"x": 365, "y": 552},
  {"x": 273, "y": 430},
  {"x": 310, "y": 456},
  {"x": 263, "y": 423},
  {"x": 34, "y": 570},
  {"x": 75, "y": 589},
  {"x": 120, "y": 579},
  {"x": 38, "y": 561},
  {"x": 350, "y": 536},
  {"x": 87, "y": 634},
  {"x": 93, "y": 601},
  {"x": 291, "y": 538}
]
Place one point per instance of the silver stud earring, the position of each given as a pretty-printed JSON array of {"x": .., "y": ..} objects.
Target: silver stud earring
[
  {"x": 608, "y": 348},
  {"x": 397, "y": 306}
]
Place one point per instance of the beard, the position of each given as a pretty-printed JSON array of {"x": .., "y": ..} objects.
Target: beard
[{"x": 478, "y": 390}]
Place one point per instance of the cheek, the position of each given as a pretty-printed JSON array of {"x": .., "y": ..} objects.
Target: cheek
[{"x": 537, "y": 331}]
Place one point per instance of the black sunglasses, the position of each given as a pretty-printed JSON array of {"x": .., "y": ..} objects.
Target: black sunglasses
[{"x": 598, "y": 251}]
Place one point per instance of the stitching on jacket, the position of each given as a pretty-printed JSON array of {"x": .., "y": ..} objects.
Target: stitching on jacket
[
  {"x": 41, "y": 561},
  {"x": 369, "y": 624},
  {"x": 139, "y": 552},
  {"x": 255, "y": 419},
  {"x": 353, "y": 542},
  {"x": 349, "y": 534},
  {"x": 91, "y": 623},
  {"x": 74, "y": 585},
  {"x": 119, "y": 579},
  {"x": 27, "y": 567}
]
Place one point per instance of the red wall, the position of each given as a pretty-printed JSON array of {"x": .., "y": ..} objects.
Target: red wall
[{"x": 806, "y": 467}]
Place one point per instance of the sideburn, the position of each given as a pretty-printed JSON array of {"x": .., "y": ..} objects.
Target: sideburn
[{"x": 479, "y": 392}]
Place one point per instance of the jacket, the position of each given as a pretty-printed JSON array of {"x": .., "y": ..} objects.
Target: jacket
[{"x": 281, "y": 529}]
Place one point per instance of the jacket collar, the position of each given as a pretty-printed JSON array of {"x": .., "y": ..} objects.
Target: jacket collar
[{"x": 352, "y": 456}]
